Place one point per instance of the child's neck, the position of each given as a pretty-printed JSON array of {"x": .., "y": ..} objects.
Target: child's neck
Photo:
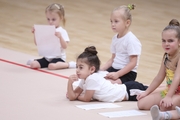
[
  {"x": 172, "y": 56},
  {"x": 122, "y": 34}
]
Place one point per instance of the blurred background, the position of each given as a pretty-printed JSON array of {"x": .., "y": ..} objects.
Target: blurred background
[{"x": 88, "y": 23}]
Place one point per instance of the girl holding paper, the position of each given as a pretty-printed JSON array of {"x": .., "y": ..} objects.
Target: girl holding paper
[{"x": 55, "y": 15}]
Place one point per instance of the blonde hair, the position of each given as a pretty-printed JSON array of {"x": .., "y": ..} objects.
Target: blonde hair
[
  {"x": 59, "y": 9},
  {"x": 126, "y": 10}
]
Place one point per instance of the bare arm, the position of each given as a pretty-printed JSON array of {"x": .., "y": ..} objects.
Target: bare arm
[
  {"x": 73, "y": 94},
  {"x": 108, "y": 63},
  {"x": 62, "y": 41},
  {"x": 125, "y": 70},
  {"x": 132, "y": 63},
  {"x": 87, "y": 96},
  {"x": 168, "y": 100},
  {"x": 155, "y": 83},
  {"x": 157, "y": 80},
  {"x": 34, "y": 35}
]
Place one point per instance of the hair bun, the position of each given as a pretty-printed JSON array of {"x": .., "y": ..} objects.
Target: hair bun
[
  {"x": 91, "y": 50},
  {"x": 131, "y": 6},
  {"x": 174, "y": 22}
]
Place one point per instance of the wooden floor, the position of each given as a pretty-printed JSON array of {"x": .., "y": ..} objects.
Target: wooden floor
[{"x": 88, "y": 23}]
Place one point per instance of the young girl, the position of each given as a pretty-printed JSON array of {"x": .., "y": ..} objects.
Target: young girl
[
  {"x": 55, "y": 15},
  {"x": 125, "y": 47},
  {"x": 93, "y": 85},
  {"x": 169, "y": 98}
]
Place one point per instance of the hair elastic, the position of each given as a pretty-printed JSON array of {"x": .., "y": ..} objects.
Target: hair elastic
[
  {"x": 130, "y": 7},
  {"x": 57, "y": 6}
]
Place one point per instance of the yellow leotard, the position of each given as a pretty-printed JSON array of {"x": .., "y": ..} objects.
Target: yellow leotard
[{"x": 169, "y": 78}]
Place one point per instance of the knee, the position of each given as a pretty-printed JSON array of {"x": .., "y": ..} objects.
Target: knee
[
  {"x": 34, "y": 65},
  {"x": 51, "y": 66},
  {"x": 141, "y": 105}
]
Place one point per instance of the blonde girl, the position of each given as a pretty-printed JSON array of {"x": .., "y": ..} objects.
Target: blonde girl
[
  {"x": 125, "y": 47},
  {"x": 167, "y": 99},
  {"x": 55, "y": 15}
]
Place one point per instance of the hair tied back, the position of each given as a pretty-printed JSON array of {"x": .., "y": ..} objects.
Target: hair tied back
[
  {"x": 57, "y": 6},
  {"x": 131, "y": 7},
  {"x": 174, "y": 22},
  {"x": 91, "y": 50}
]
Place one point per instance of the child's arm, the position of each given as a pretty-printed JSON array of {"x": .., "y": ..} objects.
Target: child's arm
[
  {"x": 167, "y": 101},
  {"x": 62, "y": 41},
  {"x": 155, "y": 83},
  {"x": 34, "y": 35},
  {"x": 125, "y": 70},
  {"x": 87, "y": 97},
  {"x": 73, "y": 94},
  {"x": 132, "y": 63},
  {"x": 108, "y": 63}
]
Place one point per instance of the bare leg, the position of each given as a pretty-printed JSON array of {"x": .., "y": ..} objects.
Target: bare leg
[
  {"x": 58, "y": 65},
  {"x": 147, "y": 102},
  {"x": 35, "y": 64}
]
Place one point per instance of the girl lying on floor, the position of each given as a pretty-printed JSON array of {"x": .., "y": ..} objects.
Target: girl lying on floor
[{"x": 93, "y": 85}]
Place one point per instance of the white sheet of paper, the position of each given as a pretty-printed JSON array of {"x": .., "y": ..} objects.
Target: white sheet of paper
[
  {"x": 47, "y": 43},
  {"x": 97, "y": 106},
  {"x": 126, "y": 113}
]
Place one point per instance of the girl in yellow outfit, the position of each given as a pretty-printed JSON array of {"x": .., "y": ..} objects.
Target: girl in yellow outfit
[
  {"x": 169, "y": 78},
  {"x": 164, "y": 105}
]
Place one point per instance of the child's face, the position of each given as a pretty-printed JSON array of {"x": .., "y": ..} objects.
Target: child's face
[
  {"x": 83, "y": 70},
  {"x": 170, "y": 42},
  {"x": 53, "y": 18},
  {"x": 118, "y": 23}
]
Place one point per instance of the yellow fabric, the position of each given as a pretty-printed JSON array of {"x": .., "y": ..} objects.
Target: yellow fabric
[{"x": 169, "y": 78}]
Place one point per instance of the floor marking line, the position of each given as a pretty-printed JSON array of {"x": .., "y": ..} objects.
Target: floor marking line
[{"x": 40, "y": 70}]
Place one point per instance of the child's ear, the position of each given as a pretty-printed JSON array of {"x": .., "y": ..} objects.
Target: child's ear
[
  {"x": 128, "y": 22},
  {"x": 92, "y": 69}
]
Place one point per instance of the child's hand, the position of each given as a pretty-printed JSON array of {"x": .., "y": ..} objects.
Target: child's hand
[
  {"x": 166, "y": 102},
  {"x": 142, "y": 95},
  {"x": 33, "y": 30},
  {"x": 112, "y": 75},
  {"x": 58, "y": 34},
  {"x": 73, "y": 78}
]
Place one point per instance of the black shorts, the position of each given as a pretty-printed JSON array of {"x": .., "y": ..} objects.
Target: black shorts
[
  {"x": 131, "y": 76},
  {"x": 44, "y": 63},
  {"x": 134, "y": 85}
]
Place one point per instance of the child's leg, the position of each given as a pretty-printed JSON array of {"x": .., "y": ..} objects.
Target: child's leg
[
  {"x": 134, "y": 85},
  {"x": 58, "y": 63},
  {"x": 35, "y": 64},
  {"x": 178, "y": 112},
  {"x": 39, "y": 63},
  {"x": 158, "y": 115},
  {"x": 136, "y": 92},
  {"x": 131, "y": 76},
  {"x": 147, "y": 102},
  {"x": 164, "y": 115}
]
